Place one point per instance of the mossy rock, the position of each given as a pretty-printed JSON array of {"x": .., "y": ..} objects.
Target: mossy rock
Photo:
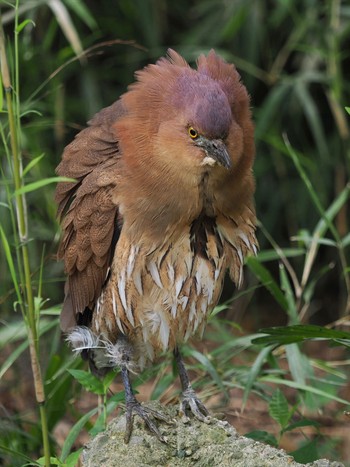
[{"x": 189, "y": 443}]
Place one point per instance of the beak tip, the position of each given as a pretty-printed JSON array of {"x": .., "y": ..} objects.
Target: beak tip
[{"x": 216, "y": 150}]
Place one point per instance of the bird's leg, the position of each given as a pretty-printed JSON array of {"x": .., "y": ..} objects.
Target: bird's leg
[
  {"x": 189, "y": 399},
  {"x": 133, "y": 406}
]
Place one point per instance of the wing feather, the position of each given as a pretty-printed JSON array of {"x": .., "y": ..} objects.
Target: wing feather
[{"x": 90, "y": 219}]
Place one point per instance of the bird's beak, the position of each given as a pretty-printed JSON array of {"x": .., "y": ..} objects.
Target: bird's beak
[{"x": 216, "y": 149}]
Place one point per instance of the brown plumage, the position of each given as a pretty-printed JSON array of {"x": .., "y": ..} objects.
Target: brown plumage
[{"x": 162, "y": 206}]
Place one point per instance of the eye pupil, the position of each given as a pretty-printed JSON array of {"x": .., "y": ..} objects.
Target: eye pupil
[{"x": 192, "y": 132}]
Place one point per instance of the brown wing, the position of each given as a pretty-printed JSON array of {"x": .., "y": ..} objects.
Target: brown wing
[{"x": 89, "y": 216}]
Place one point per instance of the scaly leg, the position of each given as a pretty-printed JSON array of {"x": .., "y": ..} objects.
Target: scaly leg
[
  {"x": 133, "y": 406},
  {"x": 189, "y": 399}
]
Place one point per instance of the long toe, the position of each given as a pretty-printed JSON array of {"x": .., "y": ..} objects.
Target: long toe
[
  {"x": 147, "y": 415},
  {"x": 190, "y": 402}
]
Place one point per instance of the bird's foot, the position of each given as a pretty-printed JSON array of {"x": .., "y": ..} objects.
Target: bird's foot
[
  {"x": 190, "y": 402},
  {"x": 133, "y": 407}
]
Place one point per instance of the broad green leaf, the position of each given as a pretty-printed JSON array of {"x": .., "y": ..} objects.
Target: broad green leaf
[
  {"x": 108, "y": 379},
  {"x": 278, "y": 408},
  {"x": 88, "y": 381},
  {"x": 53, "y": 461},
  {"x": 262, "y": 436},
  {"x": 300, "y": 424},
  {"x": 348, "y": 110},
  {"x": 73, "y": 458},
  {"x": 307, "y": 453}
]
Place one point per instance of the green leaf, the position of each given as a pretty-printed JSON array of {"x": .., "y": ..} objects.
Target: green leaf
[
  {"x": 209, "y": 368},
  {"x": 32, "y": 163},
  {"x": 263, "y": 437},
  {"x": 313, "y": 116},
  {"x": 74, "y": 432},
  {"x": 346, "y": 240},
  {"x": 82, "y": 11},
  {"x": 162, "y": 385},
  {"x": 100, "y": 424},
  {"x": 300, "y": 424},
  {"x": 108, "y": 380},
  {"x": 23, "y": 25},
  {"x": 289, "y": 295},
  {"x": 88, "y": 381},
  {"x": 302, "y": 387},
  {"x": 254, "y": 371},
  {"x": 278, "y": 408},
  {"x": 44, "y": 326},
  {"x": 307, "y": 453},
  {"x": 326, "y": 216},
  {"x": 53, "y": 461},
  {"x": 1, "y": 95},
  {"x": 18, "y": 455},
  {"x": 289, "y": 334},
  {"x": 348, "y": 110},
  {"x": 73, "y": 458},
  {"x": 265, "y": 277},
  {"x": 40, "y": 183},
  {"x": 10, "y": 263},
  {"x": 271, "y": 255},
  {"x": 298, "y": 364},
  {"x": 324, "y": 223}
]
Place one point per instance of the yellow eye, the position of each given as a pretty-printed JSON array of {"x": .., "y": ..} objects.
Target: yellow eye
[{"x": 192, "y": 132}]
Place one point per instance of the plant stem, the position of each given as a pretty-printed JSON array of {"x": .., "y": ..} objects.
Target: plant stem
[
  {"x": 21, "y": 210},
  {"x": 336, "y": 102}
]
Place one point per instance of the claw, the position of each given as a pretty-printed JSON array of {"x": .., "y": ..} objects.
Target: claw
[
  {"x": 134, "y": 407},
  {"x": 190, "y": 401}
]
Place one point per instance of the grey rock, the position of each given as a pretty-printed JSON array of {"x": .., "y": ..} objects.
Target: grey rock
[{"x": 189, "y": 443}]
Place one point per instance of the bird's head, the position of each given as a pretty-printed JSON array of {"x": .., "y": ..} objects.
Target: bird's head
[
  {"x": 182, "y": 123},
  {"x": 193, "y": 118},
  {"x": 203, "y": 118}
]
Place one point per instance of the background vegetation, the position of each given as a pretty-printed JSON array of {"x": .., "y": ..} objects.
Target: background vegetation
[{"x": 70, "y": 58}]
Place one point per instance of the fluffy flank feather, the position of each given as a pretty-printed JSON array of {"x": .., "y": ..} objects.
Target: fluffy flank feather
[{"x": 82, "y": 338}]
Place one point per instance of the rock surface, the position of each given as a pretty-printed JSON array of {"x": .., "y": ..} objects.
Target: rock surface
[{"x": 189, "y": 443}]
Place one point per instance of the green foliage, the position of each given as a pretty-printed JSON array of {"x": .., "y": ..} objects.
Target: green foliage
[
  {"x": 299, "y": 333},
  {"x": 279, "y": 410},
  {"x": 291, "y": 57}
]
